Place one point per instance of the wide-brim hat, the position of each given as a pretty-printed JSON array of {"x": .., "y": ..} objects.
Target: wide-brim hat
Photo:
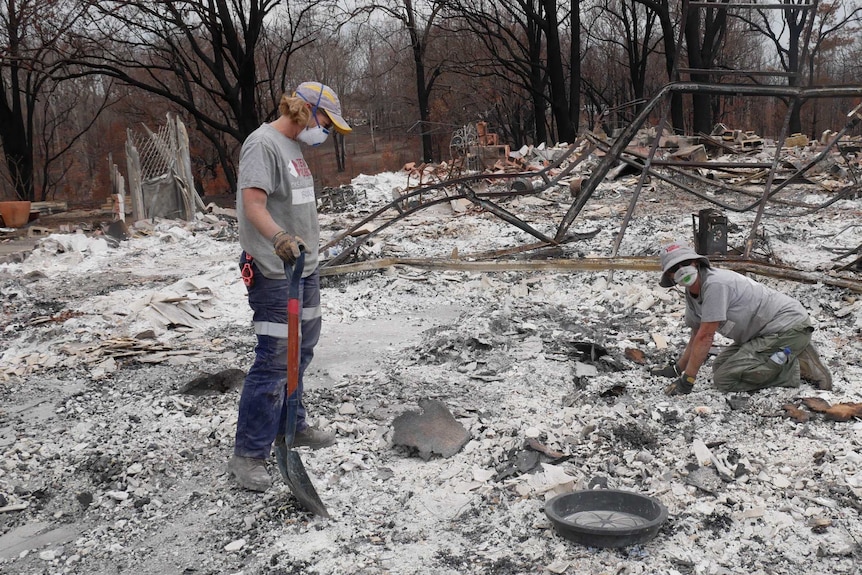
[
  {"x": 673, "y": 254},
  {"x": 325, "y": 98}
]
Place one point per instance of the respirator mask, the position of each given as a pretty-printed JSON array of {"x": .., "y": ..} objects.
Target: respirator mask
[
  {"x": 313, "y": 136},
  {"x": 686, "y": 275}
]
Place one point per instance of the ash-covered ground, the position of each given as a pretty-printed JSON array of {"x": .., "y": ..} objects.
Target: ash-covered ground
[{"x": 114, "y": 453}]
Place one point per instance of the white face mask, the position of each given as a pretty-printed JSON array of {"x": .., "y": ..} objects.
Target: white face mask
[
  {"x": 313, "y": 136},
  {"x": 686, "y": 275}
]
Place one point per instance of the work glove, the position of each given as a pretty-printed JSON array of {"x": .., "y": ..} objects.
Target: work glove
[
  {"x": 670, "y": 370},
  {"x": 288, "y": 247},
  {"x": 683, "y": 385}
]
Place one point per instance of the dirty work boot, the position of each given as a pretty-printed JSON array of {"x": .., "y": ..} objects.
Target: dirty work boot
[
  {"x": 811, "y": 368},
  {"x": 313, "y": 438},
  {"x": 249, "y": 472}
]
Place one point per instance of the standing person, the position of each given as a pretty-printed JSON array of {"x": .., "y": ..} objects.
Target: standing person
[
  {"x": 759, "y": 320},
  {"x": 277, "y": 215}
]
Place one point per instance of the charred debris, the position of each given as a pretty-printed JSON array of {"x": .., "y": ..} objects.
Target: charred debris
[{"x": 729, "y": 171}]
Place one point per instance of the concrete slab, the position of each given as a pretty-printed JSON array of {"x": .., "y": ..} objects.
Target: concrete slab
[
  {"x": 17, "y": 249},
  {"x": 347, "y": 349},
  {"x": 32, "y": 536}
]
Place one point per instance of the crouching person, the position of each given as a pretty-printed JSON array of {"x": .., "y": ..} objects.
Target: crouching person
[{"x": 771, "y": 331}]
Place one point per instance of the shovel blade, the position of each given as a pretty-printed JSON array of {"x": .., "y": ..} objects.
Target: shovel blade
[{"x": 294, "y": 474}]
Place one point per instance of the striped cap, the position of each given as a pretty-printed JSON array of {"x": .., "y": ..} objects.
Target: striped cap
[{"x": 323, "y": 97}]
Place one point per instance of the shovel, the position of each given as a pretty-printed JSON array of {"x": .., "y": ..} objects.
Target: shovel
[{"x": 289, "y": 462}]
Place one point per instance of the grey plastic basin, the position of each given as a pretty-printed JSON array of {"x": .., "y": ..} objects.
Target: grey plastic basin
[{"x": 606, "y": 517}]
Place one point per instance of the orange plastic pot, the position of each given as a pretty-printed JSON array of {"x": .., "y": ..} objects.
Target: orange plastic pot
[{"x": 15, "y": 214}]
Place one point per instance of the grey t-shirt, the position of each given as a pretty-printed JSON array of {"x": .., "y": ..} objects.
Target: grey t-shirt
[
  {"x": 271, "y": 161},
  {"x": 744, "y": 308}
]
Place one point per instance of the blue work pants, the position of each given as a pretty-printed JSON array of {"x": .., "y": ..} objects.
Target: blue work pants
[{"x": 262, "y": 405}]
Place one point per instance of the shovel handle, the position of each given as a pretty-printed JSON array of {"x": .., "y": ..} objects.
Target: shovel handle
[{"x": 293, "y": 309}]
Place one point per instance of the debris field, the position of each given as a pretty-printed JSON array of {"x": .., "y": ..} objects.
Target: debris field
[{"x": 122, "y": 362}]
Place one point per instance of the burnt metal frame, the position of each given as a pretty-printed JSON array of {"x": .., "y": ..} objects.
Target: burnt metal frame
[
  {"x": 614, "y": 153},
  {"x": 795, "y": 95},
  {"x": 617, "y": 152},
  {"x": 482, "y": 199},
  {"x": 636, "y": 160}
]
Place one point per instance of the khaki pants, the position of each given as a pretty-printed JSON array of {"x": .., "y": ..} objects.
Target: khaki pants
[{"x": 747, "y": 367}]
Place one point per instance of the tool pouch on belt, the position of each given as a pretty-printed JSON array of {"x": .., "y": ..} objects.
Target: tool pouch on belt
[{"x": 245, "y": 269}]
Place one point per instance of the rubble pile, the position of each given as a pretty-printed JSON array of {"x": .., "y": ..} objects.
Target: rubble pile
[{"x": 119, "y": 384}]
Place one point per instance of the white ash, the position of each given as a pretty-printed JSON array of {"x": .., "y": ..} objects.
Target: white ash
[{"x": 122, "y": 473}]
